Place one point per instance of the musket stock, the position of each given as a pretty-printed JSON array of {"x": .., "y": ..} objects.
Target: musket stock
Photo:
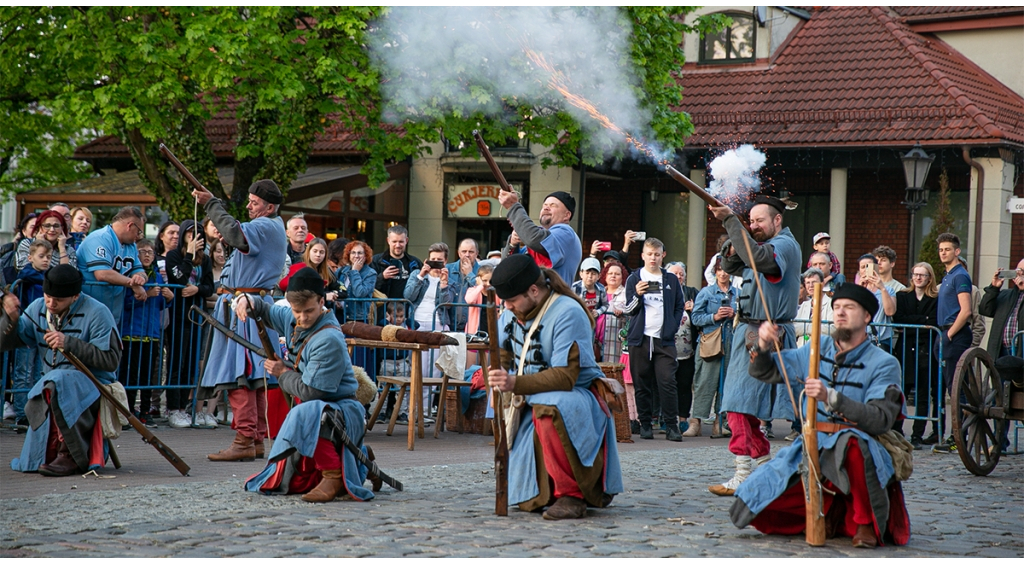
[
  {"x": 815, "y": 532},
  {"x": 500, "y": 436}
]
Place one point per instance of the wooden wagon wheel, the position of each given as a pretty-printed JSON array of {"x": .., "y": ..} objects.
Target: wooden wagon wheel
[{"x": 977, "y": 392}]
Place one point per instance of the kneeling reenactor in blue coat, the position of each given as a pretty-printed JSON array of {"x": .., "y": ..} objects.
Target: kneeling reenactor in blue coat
[{"x": 323, "y": 380}]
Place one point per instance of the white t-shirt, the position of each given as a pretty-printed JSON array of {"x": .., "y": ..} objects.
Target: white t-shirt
[
  {"x": 425, "y": 310},
  {"x": 654, "y": 306}
]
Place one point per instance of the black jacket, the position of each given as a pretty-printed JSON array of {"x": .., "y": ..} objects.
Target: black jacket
[
  {"x": 911, "y": 311},
  {"x": 675, "y": 302},
  {"x": 394, "y": 287},
  {"x": 997, "y": 304}
]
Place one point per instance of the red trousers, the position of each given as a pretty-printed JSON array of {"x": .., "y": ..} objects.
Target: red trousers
[
  {"x": 747, "y": 438},
  {"x": 787, "y": 514},
  {"x": 249, "y": 412},
  {"x": 556, "y": 462}
]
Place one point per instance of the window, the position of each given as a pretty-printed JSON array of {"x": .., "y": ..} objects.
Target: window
[{"x": 730, "y": 45}]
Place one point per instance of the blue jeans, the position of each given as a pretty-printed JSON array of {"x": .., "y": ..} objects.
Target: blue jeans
[
  {"x": 952, "y": 350},
  {"x": 27, "y": 368}
]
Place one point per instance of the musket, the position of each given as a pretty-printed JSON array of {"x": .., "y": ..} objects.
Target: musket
[
  {"x": 815, "y": 532},
  {"x": 231, "y": 334},
  {"x": 147, "y": 435},
  {"x": 184, "y": 172},
  {"x": 500, "y": 434},
  {"x": 191, "y": 179},
  {"x": 333, "y": 419},
  {"x": 486, "y": 154},
  {"x": 693, "y": 187}
]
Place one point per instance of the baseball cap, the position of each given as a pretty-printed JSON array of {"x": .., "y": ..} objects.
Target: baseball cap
[
  {"x": 590, "y": 263},
  {"x": 821, "y": 236}
]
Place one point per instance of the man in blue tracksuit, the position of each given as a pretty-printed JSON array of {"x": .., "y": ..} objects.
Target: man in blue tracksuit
[{"x": 655, "y": 304}]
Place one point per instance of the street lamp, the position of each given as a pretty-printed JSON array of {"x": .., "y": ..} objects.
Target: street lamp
[{"x": 915, "y": 167}]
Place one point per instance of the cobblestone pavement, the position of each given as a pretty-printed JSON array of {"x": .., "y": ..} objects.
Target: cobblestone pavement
[{"x": 148, "y": 510}]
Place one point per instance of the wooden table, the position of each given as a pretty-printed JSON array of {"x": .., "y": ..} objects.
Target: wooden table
[
  {"x": 415, "y": 379},
  {"x": 415, "y": 383}
]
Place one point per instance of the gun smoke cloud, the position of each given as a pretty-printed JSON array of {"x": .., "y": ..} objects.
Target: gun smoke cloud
[
  {"x": 736, "y": 176},
  {"x": 462, "y": 60}
]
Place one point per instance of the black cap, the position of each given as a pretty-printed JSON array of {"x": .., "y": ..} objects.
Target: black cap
[
  {"x": 773, "y": 202},
  {"x": 62, "y": 281},
  {"x": 307, "y": 279},
  {"x": 859, "y": 294},
  {"x": 267, "y": 190},
  {"x": 567, "y": 200},
  {"x": 514, "y": 275}
]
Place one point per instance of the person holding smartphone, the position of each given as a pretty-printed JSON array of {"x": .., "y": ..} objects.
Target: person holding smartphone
[
  {"x": 394, "y": 266},
  {"x": 655, "y": 304}
]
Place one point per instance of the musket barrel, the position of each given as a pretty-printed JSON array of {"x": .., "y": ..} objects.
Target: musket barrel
[
  {"x": 486, "y": 153},
  {"x": 692, "y": 186}
]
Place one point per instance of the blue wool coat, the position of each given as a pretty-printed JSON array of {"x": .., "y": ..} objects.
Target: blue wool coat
[{"x": 588, "y": 426}]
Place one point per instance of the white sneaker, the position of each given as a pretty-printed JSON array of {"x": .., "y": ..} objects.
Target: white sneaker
[
  {"x": 208, "y": 419},
  {"x": 179, "y": 419},
  {"x": 8, "y": 410}
]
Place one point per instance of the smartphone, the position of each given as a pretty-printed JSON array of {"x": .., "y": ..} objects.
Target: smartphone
[
  {"x": 654, "y": 287},
  {"x": 640, "y": 236},
  {"x": 871, "y": 268},
  {"x": 1007, "y": 274},
  {"x": 435, "y": 264},
  {"x": 604, "y": 246}
]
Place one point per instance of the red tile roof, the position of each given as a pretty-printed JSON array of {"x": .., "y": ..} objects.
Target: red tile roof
[
  {"x": 922, "y": 14},
  {"x": 335, "y": 140},
  {"x": 853, "y": 76}
]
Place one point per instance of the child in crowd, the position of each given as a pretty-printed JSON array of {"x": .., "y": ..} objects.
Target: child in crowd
[
  {"x": 140, "y": 334},
  {"x": 393, "y": 362},
  {"x": 27, "y": 365},
  {"x": 822, "y": 244},
  {"x": 475, "y": 295},
  {"x": 592, "y": 293}
]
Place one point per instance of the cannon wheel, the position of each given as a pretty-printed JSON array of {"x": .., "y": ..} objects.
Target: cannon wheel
[{"x": 976, "y": 390}]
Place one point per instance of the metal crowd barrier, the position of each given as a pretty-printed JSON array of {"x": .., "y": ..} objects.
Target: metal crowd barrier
[
  {"x": 917, "y": 372},
  {"x": 1016, "y": 349}
]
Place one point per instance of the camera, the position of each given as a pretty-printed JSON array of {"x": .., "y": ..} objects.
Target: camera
[
  {"x": 604, "y": 246},
  {"x": 1008, "y": 274},
  {"x": 640, "y": 236},
  {"x": 435, "y": 264},
  {"x": 654, "y": 287}
]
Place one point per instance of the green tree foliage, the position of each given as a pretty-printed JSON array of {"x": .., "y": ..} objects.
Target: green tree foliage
[
  {"x": 942, "y": 222},
  {"x": 157, "y": 74}
]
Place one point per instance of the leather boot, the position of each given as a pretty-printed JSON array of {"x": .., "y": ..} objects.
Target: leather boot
[
  {"x": 375, "y": 481},
  {"x": 865, "y": 537},
  {"x": 241, "y": 449},
  {"x": 259, "y": 448},
  {"x": 743, "y": 464},
  {"x": 63, "y": 465},
  {"x": 694, "y": 430},
  {"x": 566, "y": 508},
  {"x": 328, "y": 488}
]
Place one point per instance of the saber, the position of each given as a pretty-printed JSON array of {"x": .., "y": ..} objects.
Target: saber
[
  {"x": 693, "y": 187},
  {"x": 332, "y": 418}
]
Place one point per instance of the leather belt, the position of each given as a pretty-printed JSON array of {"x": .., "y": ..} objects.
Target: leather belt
[
  {"x": 750, "y": 321},
  {"x": 261, "y": 291},
  {"x": 829, "y": 427}
]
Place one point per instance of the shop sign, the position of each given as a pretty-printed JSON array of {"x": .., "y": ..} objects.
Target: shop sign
[{"x": 474, "y": 201}]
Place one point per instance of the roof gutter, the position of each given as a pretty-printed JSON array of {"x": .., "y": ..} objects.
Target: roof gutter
[{"x": 976, "y": 259}]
